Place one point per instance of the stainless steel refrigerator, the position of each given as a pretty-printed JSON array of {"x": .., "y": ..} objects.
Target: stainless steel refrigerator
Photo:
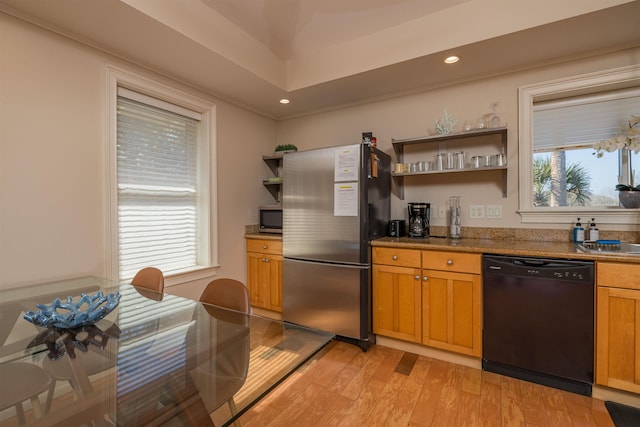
[{"x": 335, "y": 201}]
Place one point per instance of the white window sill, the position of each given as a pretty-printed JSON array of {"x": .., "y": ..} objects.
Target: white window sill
[
  {"x": 197, "y": 273},
  {"x": 612, "y": 215}
]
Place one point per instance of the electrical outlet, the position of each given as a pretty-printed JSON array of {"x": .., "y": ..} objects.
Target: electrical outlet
[
  {"x": 476, "y": 211},
  {"x": 442, "y": 211},
  {"x": 494, "y": 211}
]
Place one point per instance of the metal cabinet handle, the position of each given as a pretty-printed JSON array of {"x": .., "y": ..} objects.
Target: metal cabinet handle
[
  {"x": 417, "y": 277},
  {"x": 425, "y": 278},
  {"x": 395, "y": 257},
  {"x": 449, "y": 262},
  {"x": 265, "y": 259},
  {"x": 265, "y": 247}
]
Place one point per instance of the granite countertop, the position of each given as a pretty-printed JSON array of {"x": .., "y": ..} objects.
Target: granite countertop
[
  {"x": 533, "y": 248},
  {"x": 263, "y": 236},
  {"x": 504, "y": 247}
]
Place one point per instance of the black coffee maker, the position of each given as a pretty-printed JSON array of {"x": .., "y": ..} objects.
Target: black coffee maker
[{"x": 419, "y": 219}]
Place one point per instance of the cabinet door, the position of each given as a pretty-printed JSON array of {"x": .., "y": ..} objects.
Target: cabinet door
[
  {"x": 257, "y": 281},
  {"x": 396, "y": 302},
  {"x": 264, "y": 279},
  {"x": 618, "y": 339},
  {"x": 451, "y": 311},
  {"x": 274, "y": 267}
]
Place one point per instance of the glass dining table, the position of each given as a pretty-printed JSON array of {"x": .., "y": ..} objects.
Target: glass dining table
[{"x": 156, "y": 359}]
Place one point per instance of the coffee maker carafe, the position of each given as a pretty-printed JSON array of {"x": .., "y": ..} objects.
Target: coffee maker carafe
[{"x": 419, "y": 219}]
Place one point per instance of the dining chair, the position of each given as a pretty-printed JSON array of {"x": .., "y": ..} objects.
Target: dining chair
[
  {"x": 149, "y": 278},
  {"x": 22, "y": 382},
  {"x": 231, "y": 362},
  {"x": 228, "y": 293}
]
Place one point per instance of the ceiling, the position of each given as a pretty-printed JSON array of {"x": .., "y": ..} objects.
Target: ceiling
[
  {"x": 291, "y": 28},
  {"x": 324, "y": 54}
]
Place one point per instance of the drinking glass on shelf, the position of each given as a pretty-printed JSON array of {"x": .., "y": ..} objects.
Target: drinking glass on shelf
[
  {"x": 460, "y": 160},
  {"x": 489, "y": 160},
  {"x": 477, "y": 162},
  {"x": 451, "y": 160}
]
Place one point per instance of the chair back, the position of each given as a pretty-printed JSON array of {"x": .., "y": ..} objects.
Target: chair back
[
  {"x": 228, "y": 293},
  {"x": 149, "y": 278},
  {"x": 221, "y": 376}
]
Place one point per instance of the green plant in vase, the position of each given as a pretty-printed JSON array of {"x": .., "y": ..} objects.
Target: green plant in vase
[{"x": 627, "y": 140}]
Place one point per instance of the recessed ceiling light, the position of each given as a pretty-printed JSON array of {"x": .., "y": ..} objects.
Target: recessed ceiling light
[
  {"x": 451, "y": 59},
  {"x": 284, "y": 101}
]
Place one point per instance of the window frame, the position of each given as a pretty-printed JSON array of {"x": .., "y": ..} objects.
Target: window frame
[
  {"x": 207, "y": 262},
  {"x": 593, "y": 82}
]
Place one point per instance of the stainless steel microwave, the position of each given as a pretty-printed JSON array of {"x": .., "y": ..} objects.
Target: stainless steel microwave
[{"x": 271, "y": 219}]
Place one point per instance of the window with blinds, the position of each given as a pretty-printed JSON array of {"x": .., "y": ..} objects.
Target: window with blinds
[
  {"x": 581, "y": 122},
  {"x": 565, "y": 132},
  {"x": 157, "y": 184}
]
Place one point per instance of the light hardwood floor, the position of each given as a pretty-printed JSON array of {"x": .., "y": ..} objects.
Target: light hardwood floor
[{"x": 343, "y": 386}]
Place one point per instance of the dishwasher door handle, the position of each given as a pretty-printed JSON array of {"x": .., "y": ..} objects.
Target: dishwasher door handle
[
  {"x": 531, "y": 263},
  {"x": 538, "y": 263}
]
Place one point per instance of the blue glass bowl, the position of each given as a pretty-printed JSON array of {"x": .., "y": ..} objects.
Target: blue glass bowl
[{"x": 86, "y": 311}]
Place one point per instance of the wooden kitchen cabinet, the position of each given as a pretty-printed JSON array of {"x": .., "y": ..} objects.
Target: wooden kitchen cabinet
[
  {"x": 396, "y": 293},
  {"x": 264, "y": 273},
  {"x": 618, "y": 326},
  {"x": 452, "y": 301}
]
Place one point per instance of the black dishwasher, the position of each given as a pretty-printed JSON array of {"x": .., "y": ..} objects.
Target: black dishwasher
[{"x": 538, "y": 320}]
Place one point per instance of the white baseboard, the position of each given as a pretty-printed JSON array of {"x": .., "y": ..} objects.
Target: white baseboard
[{"x": 624, "y": 397}]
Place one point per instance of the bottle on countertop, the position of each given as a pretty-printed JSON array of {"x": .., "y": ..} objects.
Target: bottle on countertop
[
  {"x": 594, "y": 233},
  {"x": 456, "y": 225},
  {"x": 578, "y": 232}
]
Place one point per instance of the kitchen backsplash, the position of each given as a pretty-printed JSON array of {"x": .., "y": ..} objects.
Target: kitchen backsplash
[{"x": 542, "y": 235}]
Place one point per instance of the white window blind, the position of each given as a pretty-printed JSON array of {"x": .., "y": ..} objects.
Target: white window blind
[
  {"x": 580, "y": 122},
  {"x": 157, "y": 188}
]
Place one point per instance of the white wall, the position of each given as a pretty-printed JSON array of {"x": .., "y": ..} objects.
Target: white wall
[
  {"x": 413, "y": 116},
  {"x": 53, "y": 159}
]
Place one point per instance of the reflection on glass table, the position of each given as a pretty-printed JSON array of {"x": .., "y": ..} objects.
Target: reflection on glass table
[{"x": 153, "y": 359}]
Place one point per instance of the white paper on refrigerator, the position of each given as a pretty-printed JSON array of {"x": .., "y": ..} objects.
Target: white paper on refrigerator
[
  {"x": 345, "y": 199},
  {"x": 345, "y": 164}
]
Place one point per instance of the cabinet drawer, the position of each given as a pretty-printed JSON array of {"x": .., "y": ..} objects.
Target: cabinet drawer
[
  {"x": 618, "y": 275},
  {"x": 452, "y": 261},
  {"x": 264, "y": 246},
  {"x": 400, "y": 257}
]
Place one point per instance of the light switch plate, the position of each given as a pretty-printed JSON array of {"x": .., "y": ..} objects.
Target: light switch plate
[
  {"x": 494, "y": 211},
  {"x": 476, "y": 211}
]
